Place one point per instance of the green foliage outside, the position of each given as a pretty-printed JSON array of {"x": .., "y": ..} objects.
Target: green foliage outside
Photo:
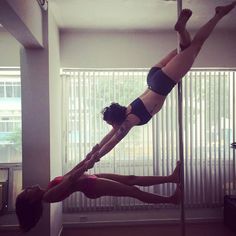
[{"x": 14, "y": 139}]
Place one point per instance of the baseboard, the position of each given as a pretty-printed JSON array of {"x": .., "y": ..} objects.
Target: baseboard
[
  {"x": 9, "y": 228},
  {"x": 160, "y": 216}
]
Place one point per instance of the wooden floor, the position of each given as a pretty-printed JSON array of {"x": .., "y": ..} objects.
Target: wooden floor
[{"x": 203, "y": 229}]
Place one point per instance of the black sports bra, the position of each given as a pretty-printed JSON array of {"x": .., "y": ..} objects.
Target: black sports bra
[{"x": 138, "y": 109}]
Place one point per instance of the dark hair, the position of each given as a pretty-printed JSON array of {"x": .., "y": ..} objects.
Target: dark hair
[
  {"x": 28, "y": 213},
  {"x": 115, "y": 113}
]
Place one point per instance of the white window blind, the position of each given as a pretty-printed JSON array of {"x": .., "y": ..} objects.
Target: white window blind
[{"x": 152, "y": 149}]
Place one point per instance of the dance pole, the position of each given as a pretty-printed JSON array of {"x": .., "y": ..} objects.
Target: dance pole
[{"x": 181, "y": 153}]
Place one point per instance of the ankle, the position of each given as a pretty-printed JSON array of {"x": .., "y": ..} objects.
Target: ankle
[
  {"x": 218, "y": 16},
  {"x": 170, "y": 179},
  {"x": 181, "y": 30}
]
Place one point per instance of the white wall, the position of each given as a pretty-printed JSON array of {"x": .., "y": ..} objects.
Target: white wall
[
  {"x": 219, "y": 50},
  {"x": 41, "y": 123},
  {"x": 30, "y": 14},
  {"x": 23, "y": 19},
  {"x": 138, "y": 49},
  {"x": 9, "y": 50},
  {"x": 55, "y": 117},
  {"x": 124, "y": 49},
  {"x": 35, "y": 126}
]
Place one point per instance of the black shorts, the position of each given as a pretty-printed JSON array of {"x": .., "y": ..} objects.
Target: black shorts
[{"x": 159, "y": 82}]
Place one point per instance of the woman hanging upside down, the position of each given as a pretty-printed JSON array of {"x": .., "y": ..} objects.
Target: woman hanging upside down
[
  {"x": 161, "y": 79},
  {"x": 29, "y": 202}
]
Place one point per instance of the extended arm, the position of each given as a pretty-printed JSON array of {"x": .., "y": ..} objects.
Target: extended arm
[
  {"x": 82, "y": 163},
  {"x": 96, "y": 148},
  {"x": 107, "y": 138},
  {"x": 118, "y": 135},
  {"x": 65, "y": 188}
]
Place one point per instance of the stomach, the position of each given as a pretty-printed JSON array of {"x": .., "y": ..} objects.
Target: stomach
[
  {"x": 152, "y": 101},
  {"x": 86, "y": 184}
]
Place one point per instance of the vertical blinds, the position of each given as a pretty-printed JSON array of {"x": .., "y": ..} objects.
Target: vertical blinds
[{"x": 152, "y": 149}]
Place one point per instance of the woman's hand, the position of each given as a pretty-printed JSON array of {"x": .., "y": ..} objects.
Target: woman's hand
[
  {"x": 90, "y": 163},
  {"x": 73, "y": 177},
  {"x": 96, "y": 157},
  {"x": 90, "y": 154}
]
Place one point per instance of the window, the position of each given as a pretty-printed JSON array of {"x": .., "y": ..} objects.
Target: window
[
  {"x": 10, "y": 116},
  {"x": 10, "y": 89},
  {"x": 153, "y": 149},
  {"x": 10, "y": 137},
  {"x": 86, "y": 93}
]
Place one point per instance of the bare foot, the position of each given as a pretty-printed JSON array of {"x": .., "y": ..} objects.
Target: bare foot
[
  {"x": 183, "y": 19},
  {"x": 176, "y": 197},
  {"x": 176, "y": 173},
  {"x": 224, "y": 10}
]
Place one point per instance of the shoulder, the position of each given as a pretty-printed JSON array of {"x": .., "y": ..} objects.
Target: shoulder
[
  {"x": 132, "y": 120},
  {"x": 128, "y": 123},
  {"x": 124, "y": 128}
]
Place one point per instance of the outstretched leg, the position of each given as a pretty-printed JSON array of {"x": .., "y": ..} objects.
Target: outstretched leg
[
  {"x": 144, "y": 180},
  {"x": 106, "y": 187},
  {"x": 181, "y": 63},
  {"x": 183, "y": 34}
]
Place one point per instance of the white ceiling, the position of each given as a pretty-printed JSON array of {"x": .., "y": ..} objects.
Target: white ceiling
[{"x": 142, "y": 15}]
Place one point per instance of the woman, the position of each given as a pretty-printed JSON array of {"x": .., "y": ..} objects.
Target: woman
[
  {"x": 29, "y": 202},
  {"x": 161, "y": 79}
]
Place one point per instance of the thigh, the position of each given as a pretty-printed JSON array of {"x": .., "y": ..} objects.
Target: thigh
[
  {"x": 124, "y": 179},
  {"x": 108, "y": 187},
  {"x": 166, "y": 59},
  {"x": 181, "y": 63}
]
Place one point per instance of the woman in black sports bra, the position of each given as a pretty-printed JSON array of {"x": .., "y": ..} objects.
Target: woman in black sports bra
[{"x": 161, "y": 79}]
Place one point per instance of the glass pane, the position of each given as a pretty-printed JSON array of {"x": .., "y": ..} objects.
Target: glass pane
[
  {"x": 3, "y": 175},
  {"x": 17, "y": 91},
  {"x": 9, "y": 89},
  {"x": 10, "y": 117},
  {"x": 2, "y": 90}
]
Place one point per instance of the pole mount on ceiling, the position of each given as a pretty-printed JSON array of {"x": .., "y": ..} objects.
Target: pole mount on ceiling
[{"x": 43, "y": 4}]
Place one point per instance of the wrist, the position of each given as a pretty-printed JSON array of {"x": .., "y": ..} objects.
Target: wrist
[
  {"x": 97, "y": 157},
  {"x": 96, "y": 147}
]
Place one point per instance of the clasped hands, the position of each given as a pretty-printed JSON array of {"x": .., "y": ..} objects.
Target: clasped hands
[{"x": 92, "y": 157}]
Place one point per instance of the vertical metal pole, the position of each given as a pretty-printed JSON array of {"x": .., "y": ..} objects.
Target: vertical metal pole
[{"x": 181, "y": 154}]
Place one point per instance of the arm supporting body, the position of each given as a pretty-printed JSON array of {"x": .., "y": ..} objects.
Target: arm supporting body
[
  {"x": 65, "y": 187},
  {"x": 111, "y": 142}
]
